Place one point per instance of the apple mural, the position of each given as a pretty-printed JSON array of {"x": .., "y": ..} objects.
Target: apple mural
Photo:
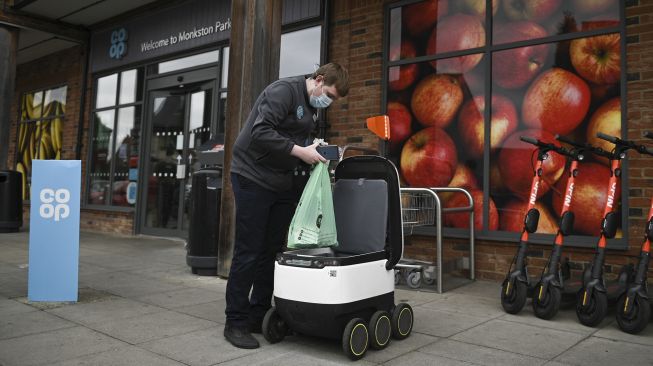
[
  {"x": 556, "y": 101},
  {"x": 456, "y": 33},
  {"x": 606, "y": 119},
  {"x": 533, "y": 10},
  {"x": 512, "y": 215},
  {"x": 429, "y": 158},
  {"x": 422, "y": 16},
  {"x": 401, "y": 77},
  {"x": 461, "y": 219},
  {"x": 400, "y": 124},
  {"x": 471, "y": 123},
  {"x": 436, "y": 100},
  {"x": 514, "y": 68},
  {"x": 597, "y": 59},
  {"x": 517, "y": 160}
]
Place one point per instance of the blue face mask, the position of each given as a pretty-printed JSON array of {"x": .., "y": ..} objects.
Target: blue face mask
[{"x": 321, "y": 101}]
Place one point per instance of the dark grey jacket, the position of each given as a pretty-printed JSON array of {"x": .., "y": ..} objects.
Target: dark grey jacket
[{"x": 281, "y": 118}]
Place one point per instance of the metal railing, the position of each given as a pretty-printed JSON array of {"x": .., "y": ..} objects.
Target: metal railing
[{"x": 424, "y": 208}]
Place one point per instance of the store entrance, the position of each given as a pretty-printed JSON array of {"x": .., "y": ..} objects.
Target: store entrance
[{"x": 178, "y": 121}]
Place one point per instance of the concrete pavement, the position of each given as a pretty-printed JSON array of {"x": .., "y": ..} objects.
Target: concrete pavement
[{"x": 140, "y": 305}]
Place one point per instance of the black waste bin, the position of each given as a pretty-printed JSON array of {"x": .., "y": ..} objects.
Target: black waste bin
[
  {"x": 202, "y": 249},
  {"x": 11, "y": 201}
]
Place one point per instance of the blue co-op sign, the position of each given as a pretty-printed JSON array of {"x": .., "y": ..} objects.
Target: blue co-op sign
[{"x": 54, "y": 230}]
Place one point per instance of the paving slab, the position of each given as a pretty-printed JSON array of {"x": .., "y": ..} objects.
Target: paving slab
[
  {"x": 123, "y": 356},
  {"x": 149, "y": 327},
  {"x": 17, "y": 325},
  {"x": 566, "y": 320},
  {"x": 414, "y": 297},
  {"x": 112, "y": 309},
  {"x": 13, "y": 285},
  {"x": 49, "y": 347},
  {"x": 484, "y": 307},
  {"x": 612, "y": 331},
  {"x": 478, "y": 354},
  {"x": 200, "y": 348},
  {"x": 127, "y": 285},
  {"x": 182, "y": 275},
  {"x": 480, "y": 288},
  {"x": 520, "y": 338},
  {"x": 183, "y": 297},
  {"x": 11, "y": 307},
  {"x": 599, "y": 351},
  {"x": 213, "y": 311},
  {"x": 397, "y": 348},
  {"x": 424, "y": 359},
  {"x": 441, "y": 323}
]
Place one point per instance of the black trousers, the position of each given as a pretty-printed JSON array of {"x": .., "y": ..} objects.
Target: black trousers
[{"x": 262, "y": 220}]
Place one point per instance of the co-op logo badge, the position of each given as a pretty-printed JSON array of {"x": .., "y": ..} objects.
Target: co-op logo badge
[
  {"x": 118, "y": 47},
  {"x": 54, "y": 204}
]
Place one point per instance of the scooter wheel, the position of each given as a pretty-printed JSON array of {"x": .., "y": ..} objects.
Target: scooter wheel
[
  {"x": 414, "y": 279},
  {"x": 274, "y": 329},
  {"x": 638, "y": 318},
  {"x": 546, "y": 305},
  {"x": 594, "y": 312},
  {"x": 514, "y": 301},
  {"x": 402, "y": 321},
  {"x": 381, "y": 329},
  {"x": 355, "y": 339}
]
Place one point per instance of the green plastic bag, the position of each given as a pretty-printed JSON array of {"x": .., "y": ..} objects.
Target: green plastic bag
[{"x": 314, "y": 223}]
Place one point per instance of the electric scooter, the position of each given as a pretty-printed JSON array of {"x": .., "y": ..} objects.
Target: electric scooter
[
  {"x": 518, "y": 284},
  {"x": 633, "y": 307},
  {"x": 592, "y": 298},
  {"x": 548, "y": 291}
]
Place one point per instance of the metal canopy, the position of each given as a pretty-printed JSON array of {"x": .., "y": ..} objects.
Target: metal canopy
[{"x": 35, "y": 42}]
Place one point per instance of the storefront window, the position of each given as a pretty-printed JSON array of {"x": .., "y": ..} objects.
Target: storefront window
[
  {"x": 455, "y": 124},
  {"x": 113, "y": 163},
  {"x": 40, "y": 130},
  {"x": 300, "y": 51}
]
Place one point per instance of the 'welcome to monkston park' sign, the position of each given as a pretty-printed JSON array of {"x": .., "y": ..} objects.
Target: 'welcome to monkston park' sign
[{"x": 185, "y": 26}]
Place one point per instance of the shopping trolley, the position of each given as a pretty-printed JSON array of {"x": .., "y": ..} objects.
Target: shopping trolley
[{"x": 422, "y": 207}]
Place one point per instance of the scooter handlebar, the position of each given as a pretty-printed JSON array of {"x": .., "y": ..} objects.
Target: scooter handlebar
[
  {"x": 648, "y": 134},
  {"x": 586, "y": 146},
  {"x": 609, "y": 138},
  {"x": 530, "y": 140}
]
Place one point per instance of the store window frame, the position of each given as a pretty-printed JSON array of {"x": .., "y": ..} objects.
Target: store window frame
[
  {"x": 487, "y": 50},
  {"x": 138, "y": 104},
  {"x": 19, "y": 115}
]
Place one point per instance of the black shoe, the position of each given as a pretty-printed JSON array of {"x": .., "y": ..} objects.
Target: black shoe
[
  {"x": 255, "y": 328},
  {"x": 240, "y": 337}
]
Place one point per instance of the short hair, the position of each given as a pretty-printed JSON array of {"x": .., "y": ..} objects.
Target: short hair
[{"x": 334, "y": 74}]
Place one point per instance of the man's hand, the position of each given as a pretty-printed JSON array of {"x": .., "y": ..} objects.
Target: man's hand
[{"x": 308, "y": 154}]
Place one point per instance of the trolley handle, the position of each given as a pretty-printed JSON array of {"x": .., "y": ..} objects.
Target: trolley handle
[{"x": 625, "y": 144}]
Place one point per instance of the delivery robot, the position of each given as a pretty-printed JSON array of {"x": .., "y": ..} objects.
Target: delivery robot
[{"x": 347, "y": 292}]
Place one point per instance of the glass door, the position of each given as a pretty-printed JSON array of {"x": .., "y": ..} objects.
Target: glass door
[{"x": 179, "y": 121}]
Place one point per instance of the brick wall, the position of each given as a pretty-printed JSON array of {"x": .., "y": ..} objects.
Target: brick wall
[{"x": 356, "y": 29}]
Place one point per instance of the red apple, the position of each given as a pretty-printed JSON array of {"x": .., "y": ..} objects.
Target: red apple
[
  {"x": 436, "y": 100},
  {"x": 429, "y": 158},
  {"x": 517, "y": 160},
  {"x": 534, "y": 10},
  {"x": 456, "y": 33},
  {"x": 473, "y": 82},
  {"x": 556, "y": 101},
  {"x": 589, "y": 199},
  {"x": 400, "y": 124},
  {"x": 593, "y": 6},
  {"x": 461, "y": 219},
  {"x": 421, "y": 17},
  {"x": 597, "y": 59},
  {"x": 606, "y": 119},
  {"x": 477, "y": 7},
  {"x": 463, "y": 178},
  {"x": 471, "y": 123},
  {"x": 516, "y": 67},
  {"x": 401, "y": 77},
  {"x": 497, "y": 187},
  {"x": 512, "y": 214}
]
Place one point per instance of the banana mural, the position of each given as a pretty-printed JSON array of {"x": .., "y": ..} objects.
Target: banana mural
[{"x": 38, "y": 139}]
